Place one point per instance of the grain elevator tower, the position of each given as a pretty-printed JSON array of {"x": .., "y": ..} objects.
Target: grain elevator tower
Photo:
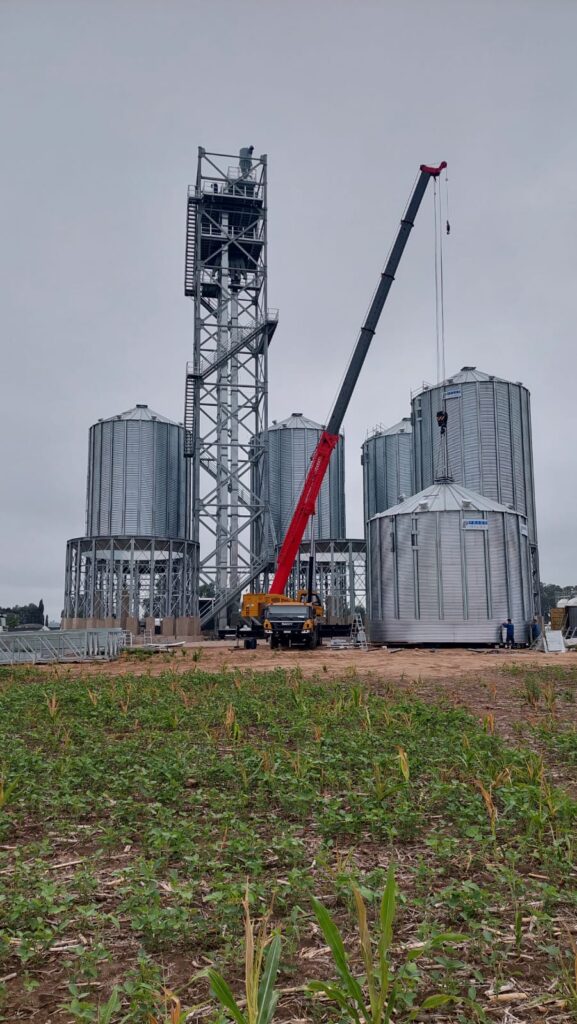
[{"x": 226, "y": 403}]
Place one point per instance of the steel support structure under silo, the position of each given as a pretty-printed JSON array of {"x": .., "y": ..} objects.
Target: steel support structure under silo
[
  {"x": 339, "y": 577},
  {"x": 124, "y": 581},
  {"x": 226, "y": 402}
]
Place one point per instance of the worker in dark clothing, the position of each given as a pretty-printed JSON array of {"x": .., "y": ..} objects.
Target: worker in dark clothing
[
  {"x": 245, "y": 160},
  {"x": 535, "y": 630},
  {"x": 509, "y": 633}
]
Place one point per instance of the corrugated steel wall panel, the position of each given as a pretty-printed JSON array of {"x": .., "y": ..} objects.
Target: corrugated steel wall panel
[
  {"x": 470, "y": 449},
  {"x": 160, "y": 516},
  {"x": 105, "y": 478},
  {"x": 486, "y": 434},
  {"x": 426, "y": 536},
  {"x": 504, "y": 443},
  {"x": 408, "y": 593},
  {"x": 475, "y": 574},
  {"x": 118, "y": 490},
  {"x": 131, "y": 517},
  {"x": 147, "y": 475},
  {"x": 451, "y": 565}
]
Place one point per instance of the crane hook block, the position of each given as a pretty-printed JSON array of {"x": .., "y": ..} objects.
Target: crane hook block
[{"x": 433, "y": 171}]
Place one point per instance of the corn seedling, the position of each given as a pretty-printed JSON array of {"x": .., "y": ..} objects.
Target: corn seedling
[
  {"x": 262, "y": 955},
  {"x": 358, "y": 696},
  {"x": 6, "y": 790},
  {"x": 489, "y": 724},
  {"x": 124, "y": 702},
  {"x": 404, "y": 764},
  {"x": 535, "y": 770},
  {"x": 173, "y": 1010},
  {"x": 378, "y": 993},
  {"x": 489, "y": 804},
  {"x": 229, "y": 719},
  {"x": 380, "y": 784},
  {"x": 532, "y": 692},
  {"x": 550, "y": 695}
]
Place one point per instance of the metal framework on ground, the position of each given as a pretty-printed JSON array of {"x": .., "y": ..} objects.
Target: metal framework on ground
[
  {"x": 226, "y": 399},
  {"x": 76, "y": 645}
]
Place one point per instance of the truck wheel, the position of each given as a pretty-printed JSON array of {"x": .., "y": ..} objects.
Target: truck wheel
[
  {"x": 314, "y": 640},
  {"x": 273, "y": 643}
]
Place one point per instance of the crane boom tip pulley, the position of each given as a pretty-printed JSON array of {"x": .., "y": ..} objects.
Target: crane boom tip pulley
[{"x": 433, "y": 171}]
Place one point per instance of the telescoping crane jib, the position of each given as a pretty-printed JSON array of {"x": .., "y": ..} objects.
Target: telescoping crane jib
[{"x": 329, "y": 438}]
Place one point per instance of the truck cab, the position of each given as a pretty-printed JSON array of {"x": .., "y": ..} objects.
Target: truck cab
[{"x": 292, "y": 624}]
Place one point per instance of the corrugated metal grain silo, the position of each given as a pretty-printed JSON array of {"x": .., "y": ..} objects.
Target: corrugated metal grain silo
[
  {"x": 291, "y": 445},
  {"x": 489, "y": 438},
  {"x": 448, "y": 566},
  {"x": 138, "y": 477},
  {"x": 387, "y": 461}
]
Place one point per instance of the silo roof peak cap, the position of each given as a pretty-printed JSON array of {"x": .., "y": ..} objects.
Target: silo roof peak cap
[{"x": 140, "y": 412}]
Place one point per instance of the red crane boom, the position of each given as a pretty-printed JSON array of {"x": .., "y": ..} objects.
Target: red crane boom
[{"x": 330, "y": 436}]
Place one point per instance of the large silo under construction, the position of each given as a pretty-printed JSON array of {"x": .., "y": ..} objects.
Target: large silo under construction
[
  {"x": 489, "y": 438},
  {"x": 387, "y": 461},
  {"x": 138, "y": 478},
  {"x": 136, "y": 564},
  {"x": 448, "y": 566},
  {"x": 291, "y": 445}
]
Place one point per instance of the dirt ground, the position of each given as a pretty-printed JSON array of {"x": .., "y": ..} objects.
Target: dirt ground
[{"x": 390, "y": 664}]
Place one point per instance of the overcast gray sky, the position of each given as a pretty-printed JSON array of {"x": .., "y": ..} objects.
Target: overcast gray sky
[{"x": 103, "y": 104}]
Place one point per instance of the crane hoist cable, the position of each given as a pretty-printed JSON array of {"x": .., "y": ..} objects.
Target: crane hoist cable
[{"x": 441, "y": 369}]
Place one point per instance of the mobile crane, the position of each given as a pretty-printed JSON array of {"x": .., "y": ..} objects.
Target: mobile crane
[{"x": 254, "y": 605}]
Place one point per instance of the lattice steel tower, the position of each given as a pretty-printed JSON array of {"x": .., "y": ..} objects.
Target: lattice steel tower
[{"x": 226, "y": 404}]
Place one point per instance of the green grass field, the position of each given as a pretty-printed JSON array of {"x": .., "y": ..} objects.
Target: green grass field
[{"x": 134, "y": 809}]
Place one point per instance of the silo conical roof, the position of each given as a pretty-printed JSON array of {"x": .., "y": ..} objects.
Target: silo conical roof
[
  {"x": 139, "y": 412},
  {"x": 404, "y": 426},
  {"x": 449, "y": 497},
  {"x": 296, "y": 421}
]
